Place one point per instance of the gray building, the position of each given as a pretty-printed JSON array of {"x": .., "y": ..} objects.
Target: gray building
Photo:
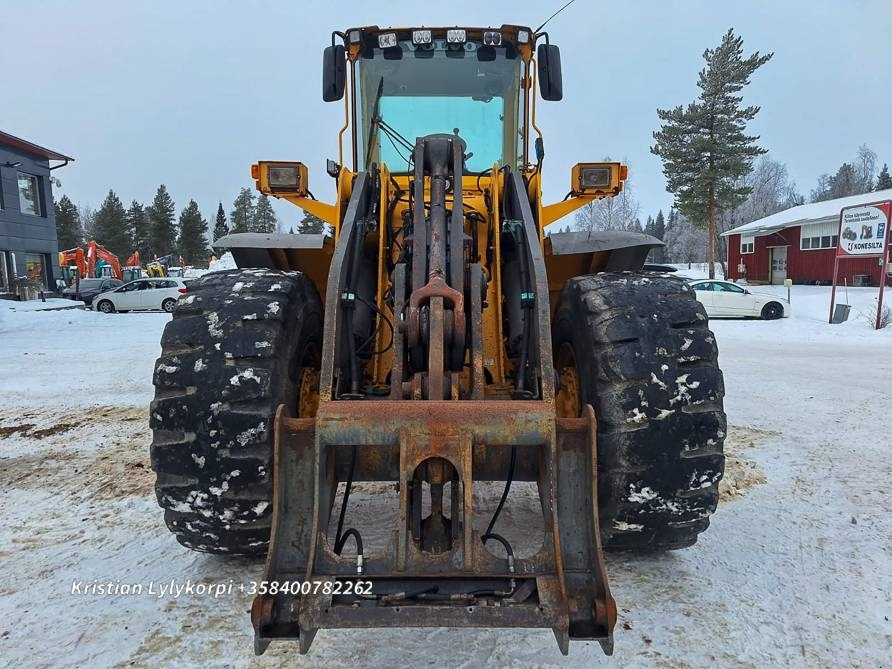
[{"x": 28, "y": 242}]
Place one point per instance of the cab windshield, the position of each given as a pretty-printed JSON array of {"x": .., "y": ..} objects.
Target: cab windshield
[{"x": 409, "y": 92}]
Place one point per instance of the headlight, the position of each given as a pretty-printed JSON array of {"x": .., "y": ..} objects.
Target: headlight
[
  {"x": 594, "y": 178},
  {"x": 492, "y": 38},
  {"x": 280, "y": 178},
  {"x": 283, "y": 177},
  {"x": 456, "y": 36},
  {"x": 387, "y": 40},
  {"x": 523, "y": 36},
  {"x": 597, "y": 178}
]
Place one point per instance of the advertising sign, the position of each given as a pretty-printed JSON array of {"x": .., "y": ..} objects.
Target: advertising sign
[
  {"x": 863, "y": 233},
  {"x": 863, "y": 230}
]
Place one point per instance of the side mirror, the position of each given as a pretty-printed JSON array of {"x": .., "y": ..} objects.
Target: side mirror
[
  {"x": 550, "y": 83},
  {"x": 334, "y": 73}
]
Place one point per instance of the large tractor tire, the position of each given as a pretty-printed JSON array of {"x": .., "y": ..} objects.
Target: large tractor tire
[
  {"x": 637, "y": 347},
  {"x": 240, "y": 343}
]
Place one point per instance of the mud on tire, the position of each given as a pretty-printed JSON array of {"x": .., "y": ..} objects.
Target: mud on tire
[
  {"x": 647, "y": 362},
  {"x": 232, "y": 352}
]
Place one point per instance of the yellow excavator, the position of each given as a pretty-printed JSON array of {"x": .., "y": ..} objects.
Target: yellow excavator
[{"x": 438, "y": 341}]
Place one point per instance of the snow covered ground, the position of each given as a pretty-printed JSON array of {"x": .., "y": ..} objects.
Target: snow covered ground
[{"x": 794, "y": 571}]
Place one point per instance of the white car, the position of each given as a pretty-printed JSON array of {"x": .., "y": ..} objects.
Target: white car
[
  {"x": 141, "y": 295},
  {"x": 724, "y": 299}
]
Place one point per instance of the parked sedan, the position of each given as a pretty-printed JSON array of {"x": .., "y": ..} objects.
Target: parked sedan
[
  {"x": 142, "y": 295},
  {"x": 728, "y": 300},
  {"x": 87, "y": 289}
]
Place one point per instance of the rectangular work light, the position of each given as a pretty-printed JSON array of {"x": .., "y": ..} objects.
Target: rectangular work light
[
  {"x": 421, "y": 37},
  {"x": 387, "y": 40},
  {"x": 281, "y": 178},
  {"x": 456, "y": 36},
  {"x": 597, "y": 178}
]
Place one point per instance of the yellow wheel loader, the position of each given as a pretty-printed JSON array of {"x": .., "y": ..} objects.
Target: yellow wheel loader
[{"x": 440, "y": 343}]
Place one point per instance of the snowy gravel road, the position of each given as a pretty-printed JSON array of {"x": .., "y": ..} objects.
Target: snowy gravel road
[{"x": 794, "y": 571}]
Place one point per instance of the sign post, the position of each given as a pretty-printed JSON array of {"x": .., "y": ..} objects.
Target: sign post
[{"x": 863, "y": 233}]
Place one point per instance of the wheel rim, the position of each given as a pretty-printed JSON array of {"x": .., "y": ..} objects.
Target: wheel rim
[
  {"x": 168, "y": 306},
  {"x": 105, "y": 308},
  {"x": 307, "y": 392},
  {"x": 772, "y": 312},
  {"x": 566, "y": 402}
]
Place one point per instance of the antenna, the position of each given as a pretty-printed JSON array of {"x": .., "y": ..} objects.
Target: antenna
[{"x": 553, "y": 15}]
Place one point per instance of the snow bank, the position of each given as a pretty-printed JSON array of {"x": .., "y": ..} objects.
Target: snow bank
[
  {"x": 52, "y": 303},
  {"x": 226, "y": 261}
]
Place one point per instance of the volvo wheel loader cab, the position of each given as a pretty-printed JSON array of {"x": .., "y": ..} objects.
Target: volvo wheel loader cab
[{"x": 438, "y": 341}]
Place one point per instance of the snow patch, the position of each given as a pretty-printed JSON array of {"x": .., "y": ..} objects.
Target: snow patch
[
  {"x": 646, "y": 494},
  {"x": 259, "y": 508},
  {"x": 217, "y": 492},
  {"x": 244, "y": 437},
  {"x": 244, "y": 376},
  {"x": 214, "y": 328},
  {"x": 200, "y": 365},
  {"x": 627, "y": 527},
  {"x": 199, "y": 460},
  {"x": 272, "y": 308}
]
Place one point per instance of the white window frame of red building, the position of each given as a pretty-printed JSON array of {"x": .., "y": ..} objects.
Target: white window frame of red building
[
  {"x": 818, "y": 236},
  {"x": 747, "y": 243}
]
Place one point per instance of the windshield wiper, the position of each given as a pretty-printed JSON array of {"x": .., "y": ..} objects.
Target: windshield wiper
[
  {"x": 375, "y": 110},
  {"x": 392, "y": 134}
]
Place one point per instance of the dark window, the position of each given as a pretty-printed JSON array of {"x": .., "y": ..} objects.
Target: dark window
[
  {"x": 29, "y": 195},
  {"x": 806, "y": 243},
  {"x": 34, "y": 267}
]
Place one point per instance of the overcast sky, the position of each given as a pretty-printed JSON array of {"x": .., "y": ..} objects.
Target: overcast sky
[{"x": 190, "y": 92}]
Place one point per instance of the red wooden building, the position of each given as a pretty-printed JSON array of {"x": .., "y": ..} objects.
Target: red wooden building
[{"x": 800, "y": 244}]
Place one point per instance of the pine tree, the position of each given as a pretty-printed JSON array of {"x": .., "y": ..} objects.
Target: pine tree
[
  {"x": 242, "y": 214},
  {"x": 704, "y": 149},
  {"x": 659, "y": 226},
  {"x": 884, "y": 181},
  {"x": 264, "y": 217},
  {"x": 110, "y": 226},
  {"x": 162, "y": 229},
  {"x": 310, "y": 225},
  {"x": 659, "y": 231},
  {"x": 138, "y": 227},
  {"x": 192, "y": 242},
  {"x": 220, "y": 227},
  {"x": 649, "y": 226},
  {"x": 68, "y": 224}
]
